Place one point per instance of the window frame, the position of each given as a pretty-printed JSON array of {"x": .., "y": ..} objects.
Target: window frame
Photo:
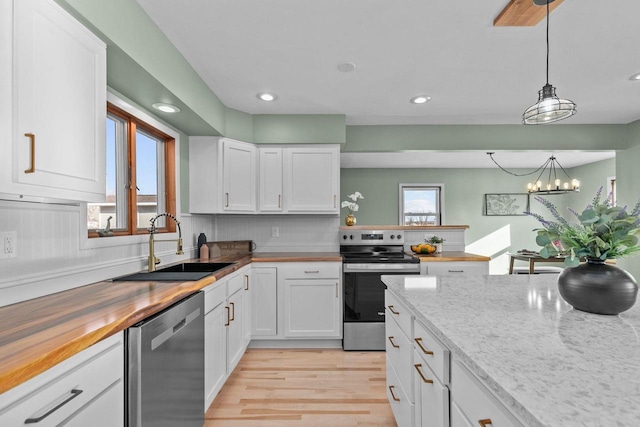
[
  {"x": 401, "y": 189},
  {"x": 138, "y": 120}
]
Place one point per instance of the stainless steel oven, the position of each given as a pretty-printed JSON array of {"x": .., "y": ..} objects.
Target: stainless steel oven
[{"x": 368, "y": 255}]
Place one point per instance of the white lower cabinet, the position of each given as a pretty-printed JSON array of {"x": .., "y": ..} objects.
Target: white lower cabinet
[
  {"x": 86, "y": 389},
  {"x": 226, "y": 302},
  {"x": 454, "y": 268},
  {"x": 477, "y": 406},
  {"x": 431, "y": 396},
  {"x": 312, "y": 301},
  {"x": 439, "y": 391},
  {"x": 265, "y": 301}
]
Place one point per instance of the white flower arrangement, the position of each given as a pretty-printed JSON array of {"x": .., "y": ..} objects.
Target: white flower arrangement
[{"x": 352, "y": 205}]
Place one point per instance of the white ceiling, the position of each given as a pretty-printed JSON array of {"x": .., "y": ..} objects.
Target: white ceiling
[
  {"x": 469, "y": 159},
  {"x": 449, "y": 50}
]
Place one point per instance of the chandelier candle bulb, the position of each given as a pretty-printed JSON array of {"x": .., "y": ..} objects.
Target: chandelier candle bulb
[
  {"x": 566, "y": 185},
  {"x": 557, "y": 182}
]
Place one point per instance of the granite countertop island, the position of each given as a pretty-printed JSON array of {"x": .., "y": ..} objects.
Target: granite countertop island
[{"x": 550, "y": 364}]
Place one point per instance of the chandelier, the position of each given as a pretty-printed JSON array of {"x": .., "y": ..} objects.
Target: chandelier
[
  {"x": 549, "y": 107},
  {"x": 548, "y": 172}
]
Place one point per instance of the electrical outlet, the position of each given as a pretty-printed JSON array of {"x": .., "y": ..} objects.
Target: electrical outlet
[
  {"x": 275, "y": 232},
  {"x": 8, "y": 240}
]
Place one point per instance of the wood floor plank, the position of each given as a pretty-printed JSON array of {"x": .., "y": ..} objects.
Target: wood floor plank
[{"x": 304, "y": 387}]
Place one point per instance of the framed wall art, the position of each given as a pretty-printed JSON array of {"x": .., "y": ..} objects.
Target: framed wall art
[{"x": 506, "y": 204}]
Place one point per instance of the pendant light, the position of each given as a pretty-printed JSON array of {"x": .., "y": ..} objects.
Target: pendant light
[
  {"x": 549, "y": 170},
  {"x": 549, "y": 107}
]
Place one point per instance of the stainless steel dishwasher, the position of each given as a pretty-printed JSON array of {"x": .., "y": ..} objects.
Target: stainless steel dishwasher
[{"x": 165, "y": 371}]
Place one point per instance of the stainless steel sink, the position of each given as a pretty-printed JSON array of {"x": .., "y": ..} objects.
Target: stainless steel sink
[{"x": 187, "y": 271}]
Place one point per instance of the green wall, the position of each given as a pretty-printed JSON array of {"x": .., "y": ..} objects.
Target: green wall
[{"x": 299, "y": 128}]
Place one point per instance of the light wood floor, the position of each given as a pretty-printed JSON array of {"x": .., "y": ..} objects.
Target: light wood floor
[{"x": 304, "y": 387}]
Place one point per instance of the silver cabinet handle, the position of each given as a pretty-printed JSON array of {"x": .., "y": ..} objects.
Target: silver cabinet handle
[
  {"x": 456, "y": 271},
  {"x": 74, "y": 393},
  {"x": 336, "y": 289},
  {"x": 279, "y": 199},
  {"x": 312, "y": 271},
  {"x": 226, "y": 200},
  {"x": 246, "y": 282}
]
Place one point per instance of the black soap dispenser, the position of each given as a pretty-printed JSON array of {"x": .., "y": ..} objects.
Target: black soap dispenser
[{"x": 202, "y": 239}]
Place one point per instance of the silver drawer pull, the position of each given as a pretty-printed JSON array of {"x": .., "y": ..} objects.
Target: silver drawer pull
[
  {"x": 456, "y": 271},
  {"x": 312, "y": 271},
  {"x": 74, "y": 393}
]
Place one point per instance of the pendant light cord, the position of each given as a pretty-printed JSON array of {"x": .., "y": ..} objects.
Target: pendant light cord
[{"x": 548, "y": 1}]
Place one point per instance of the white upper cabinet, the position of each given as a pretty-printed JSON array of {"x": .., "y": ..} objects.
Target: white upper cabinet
[
  {"x": 270, "y": 183},
  {"x": 239, "y": 176},
  {"x": 228, "y": 176},
  {"x": 222, "y": 175},
  {"x": 55, "y": 70},
  {"x": 312, "y": 179}
]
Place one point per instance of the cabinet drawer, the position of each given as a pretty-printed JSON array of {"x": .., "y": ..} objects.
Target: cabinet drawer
[
  {"x": 400, "y": 353},
  {"x": 235, "y": 283},
  {"x": 402, "y": 408},
  {"x": 63, "y": 390},
  {"x": 214, "y": 295},
  {"x": 460, "y": 268},
  {"x": 475, "y": 401},
  {"x": 396, "y": 310},
  {"x": 311, "y": 270},
  {"x": 431, "y": 396},
  {"x": 432, "y": 352}
]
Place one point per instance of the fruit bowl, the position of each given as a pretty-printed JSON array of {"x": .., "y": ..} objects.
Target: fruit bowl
[{"x": 423, "y": 248}]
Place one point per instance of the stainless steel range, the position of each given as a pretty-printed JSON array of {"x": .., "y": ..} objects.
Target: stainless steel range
[{"x": 367, "y": 255}]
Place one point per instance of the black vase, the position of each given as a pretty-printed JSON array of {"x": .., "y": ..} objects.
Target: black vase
[{"x": 596, "y": 287}]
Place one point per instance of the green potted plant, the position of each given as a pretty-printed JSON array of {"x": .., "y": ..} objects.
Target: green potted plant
[
  {"x": 601, "y": 232},
  {"x": 437, "y": 242}
]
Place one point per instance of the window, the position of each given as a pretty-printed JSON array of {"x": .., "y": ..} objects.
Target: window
[
  {"x": 421, "y": 204},
  {"x": 140, "y": 177}
]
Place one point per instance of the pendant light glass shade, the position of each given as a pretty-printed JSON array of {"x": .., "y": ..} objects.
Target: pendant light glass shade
[{"x": 549, "y": 107}]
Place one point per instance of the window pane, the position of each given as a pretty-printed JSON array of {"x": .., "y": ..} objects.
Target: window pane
[
  {"x": 150, "y": 190},
  {"x": 115, "y": 206},
  {"x": 420, "y": 206}
]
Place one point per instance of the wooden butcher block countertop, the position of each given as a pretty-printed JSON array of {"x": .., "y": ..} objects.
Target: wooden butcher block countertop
[{"x": 37, "y": 334}]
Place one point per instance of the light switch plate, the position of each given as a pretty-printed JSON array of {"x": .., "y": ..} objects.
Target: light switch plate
[{"x": 8, "y": 240}]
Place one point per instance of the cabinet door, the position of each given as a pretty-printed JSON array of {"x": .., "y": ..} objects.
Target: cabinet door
[
  {"x": 105, "y": 411},
  {"x": 270, "y": 183},
  {"x": 235, "y": 336},
  {"x": 264, "y": 301},
  {"x": 215, "y": 352},
  {"x": 431, "y": 396},
  {"x": 239, "y": 176},
  {"x": 247, "y": 301},
  {"x": 59, "y": 104},
  {"x": 312, "y": 308},
  {"x": 312, "y": 176}
]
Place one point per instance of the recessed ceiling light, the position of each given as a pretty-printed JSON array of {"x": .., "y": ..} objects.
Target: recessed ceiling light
[
  {"x": 346, "y": 67},
  {"x": 265, "y": 96},
  {"x": 635, "y": 77},
  {"x": 166, "y": 108},
  {"x": 420, "y": 99}
]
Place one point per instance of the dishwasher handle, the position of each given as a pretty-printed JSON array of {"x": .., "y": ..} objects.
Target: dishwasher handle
[{"x": 161, "y": 336}]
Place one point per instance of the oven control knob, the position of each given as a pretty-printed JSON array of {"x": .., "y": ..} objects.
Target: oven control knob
[
  {"x": 351, "y": 236},
  {"x": 399, "y": 237},
  {"x": 393, "y": 237},
  {"x": 344, "y": 237}
]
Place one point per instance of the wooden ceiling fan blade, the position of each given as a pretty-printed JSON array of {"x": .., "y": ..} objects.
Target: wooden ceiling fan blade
[{"x": 523, "y": 13}]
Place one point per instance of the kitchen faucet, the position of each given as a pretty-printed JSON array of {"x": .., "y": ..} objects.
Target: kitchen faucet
[{"x": 153, "y": 260}]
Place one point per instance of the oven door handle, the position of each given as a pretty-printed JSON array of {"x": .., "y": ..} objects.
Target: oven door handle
[{"x": 381, "y": 268}]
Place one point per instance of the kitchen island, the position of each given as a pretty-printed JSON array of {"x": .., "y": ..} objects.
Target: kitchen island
[{"x": 548, "y": 364}]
